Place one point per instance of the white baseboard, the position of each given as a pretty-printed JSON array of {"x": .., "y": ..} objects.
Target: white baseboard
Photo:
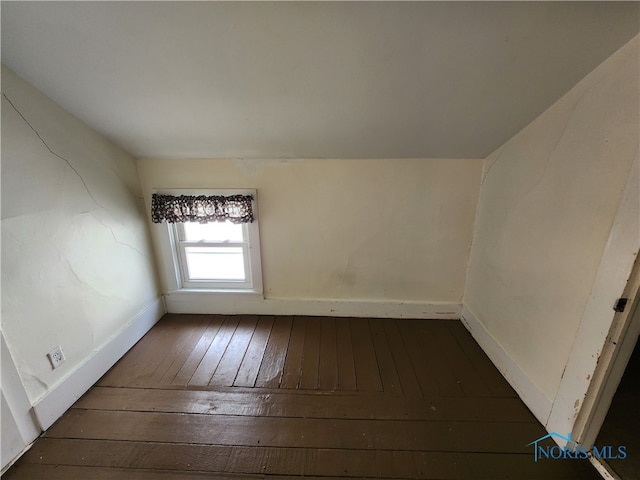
[
  {"x": 529, "y": 392},
  {"x": 248, "y": 304},
  {"x": 603, "y": 469},
  {"x": 65, "y": 393},
  {"x": 19, "y": 425}
]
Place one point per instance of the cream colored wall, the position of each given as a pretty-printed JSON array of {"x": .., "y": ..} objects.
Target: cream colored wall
[
  {"x": 76, "y": 258},
  {"x": 349, "y": 229},
  {"x": 546, "y": 208}
]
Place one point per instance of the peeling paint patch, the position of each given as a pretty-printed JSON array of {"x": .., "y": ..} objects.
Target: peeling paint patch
[{"x": 576, "y": 408}]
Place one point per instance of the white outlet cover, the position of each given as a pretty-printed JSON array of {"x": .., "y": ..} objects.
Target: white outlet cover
[{"x": 56, "y": 357}]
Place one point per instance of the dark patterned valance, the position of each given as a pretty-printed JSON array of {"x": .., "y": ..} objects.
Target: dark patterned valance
[{"x": 201, "y": 208}]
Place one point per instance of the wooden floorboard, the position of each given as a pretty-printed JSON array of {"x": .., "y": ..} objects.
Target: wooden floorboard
[
  {"x": 188, "y": 368},
  {"x": 250, "y": 366},
  {"x": 272, "y": 366},
  {"x": 344, "y": 356},
  {"x": 211, "y": 396},
  {"x": 328, "y": 368},
  {"x": 174, "y": 361},
  {"x": 463, "y": 371},
  {"x": 386, "y": 365},
  {"x": 485, "y": 370},
  {"x": 425, "y": 365},
  {"x": 364, "y": 357},
  {"x": 306, "y": 405},
  {"x": 234, "y": 353},
  {"x": 449, "y": 436},
  {"x": 320, "y": 463},
  {"x": 293, "y": 363},
  {"x": 404, "y": 367},
  {"x": 311, "y": 355},
  {"x": 209, "y": 363}
]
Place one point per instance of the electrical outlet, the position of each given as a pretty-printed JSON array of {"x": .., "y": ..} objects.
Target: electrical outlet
[{"x": 56, "y": 357}]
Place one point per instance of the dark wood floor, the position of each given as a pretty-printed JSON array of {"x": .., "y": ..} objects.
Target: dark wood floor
[{"x": 205, "y": 396}]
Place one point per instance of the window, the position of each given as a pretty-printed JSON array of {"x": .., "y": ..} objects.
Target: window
[
  {"x": 222, "y": 254},
  {"x": 213, "y": 254}
]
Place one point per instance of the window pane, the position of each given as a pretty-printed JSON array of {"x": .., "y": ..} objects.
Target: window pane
[
  {"x": 215, "y": 263},
  {"x": 213, "y": 232}
]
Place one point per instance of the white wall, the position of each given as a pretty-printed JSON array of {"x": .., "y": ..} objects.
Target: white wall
[
  {"x": 370, "y": 230},
  {"x": 77, "y": 266},
  {"x": 547, "y": 204}
]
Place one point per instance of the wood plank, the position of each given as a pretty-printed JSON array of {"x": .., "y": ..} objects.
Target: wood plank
[
  {"x": 311, "y": 355},
  {"x": 164, "y": 353},
  {"x": 76, "y": 472},
  {"x": 211, "y": 359},
  {"x": 293, "y": 362},
  {"x": 408, "y": 379},
  {"x": 144, "y": 355},
  {"x": 250, "y": 366},
  {"x": 197, "y": 354},
  {"x": 326, "y": 463},
  {"x": 275, "y": 354},
  {"x": 233, "y": 355},
  {"x": 414, "y": 435},
  {"x": 462, "y": 370},
  {"x": 424, "y": 365},
  {"x": 328, "y": 370},
  {"x": 448, "y": 383},
  {"x": 268, "y": 460},
  {"x": 335, "y": 463},
  {"x": 287, "y": 403},
  {"x": 344, "y": 352},
  {"x": 485, "y": 369},
  {"x": 386, "y": 365},
  {"x": 517, "y": 468},
  {"x": 364, "y": 357},
  {"x": 180, "y": 351},
  {"x": 175, "y": 432}
]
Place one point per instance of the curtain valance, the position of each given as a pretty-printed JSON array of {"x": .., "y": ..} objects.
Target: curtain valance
[{"x": 201, "y": 208}]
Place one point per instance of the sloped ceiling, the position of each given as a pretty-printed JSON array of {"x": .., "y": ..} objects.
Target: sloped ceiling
[{"x": 310, "y": 79}]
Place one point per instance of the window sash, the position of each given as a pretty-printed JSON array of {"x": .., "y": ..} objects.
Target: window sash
[
  {"x": 189, "y": 282},
  {"x": 181, "y": 236}
]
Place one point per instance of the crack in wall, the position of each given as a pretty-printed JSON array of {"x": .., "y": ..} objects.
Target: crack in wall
[
  {"x": 67, "y": 161},
  {"x": 498, "y": 157},
  {"x": 77, "y": 173},
  {"x": 84, "y": 282},
  {"x": 115, "y": 239},
  {"x": 65, "y": 186},
  {"x": 52, "y": 152}
]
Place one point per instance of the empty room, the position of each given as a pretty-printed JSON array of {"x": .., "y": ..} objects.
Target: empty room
[{"x": 392, "y": 240}]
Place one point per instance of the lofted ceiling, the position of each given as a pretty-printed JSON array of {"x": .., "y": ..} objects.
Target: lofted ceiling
[{"x": 310, "y": 79}]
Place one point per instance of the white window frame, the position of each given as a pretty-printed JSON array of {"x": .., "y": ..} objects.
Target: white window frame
[
  {"x": 173, "y": 259},
  {"x": 182, "y": 244}
]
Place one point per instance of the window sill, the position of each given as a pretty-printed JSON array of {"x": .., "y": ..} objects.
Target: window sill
[{"x": 216, "y": 291}]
